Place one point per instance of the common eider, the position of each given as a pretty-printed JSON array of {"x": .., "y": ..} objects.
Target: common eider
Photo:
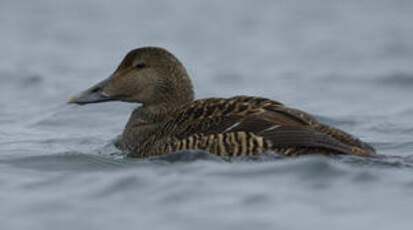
[{"x": 170, "y": 119}]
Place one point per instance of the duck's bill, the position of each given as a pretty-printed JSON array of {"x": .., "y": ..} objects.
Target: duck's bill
[{"x": 94, "y": 94}]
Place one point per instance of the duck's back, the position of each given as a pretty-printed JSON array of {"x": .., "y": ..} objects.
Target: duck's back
[{"x": 246, "y": 125}]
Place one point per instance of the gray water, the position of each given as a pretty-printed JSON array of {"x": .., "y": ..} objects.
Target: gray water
[{"x": 347, "y": 62}]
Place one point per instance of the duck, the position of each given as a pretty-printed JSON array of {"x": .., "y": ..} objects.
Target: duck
[{"x": 169, "y": 118}]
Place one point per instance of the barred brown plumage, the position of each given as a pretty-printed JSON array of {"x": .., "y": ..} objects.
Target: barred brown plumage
[
  {"x": 171, "y": 120},
  {"x": 244, "y": 143}
]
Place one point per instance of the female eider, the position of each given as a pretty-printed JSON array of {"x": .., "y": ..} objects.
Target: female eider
[{"x": 171, "y": 120}]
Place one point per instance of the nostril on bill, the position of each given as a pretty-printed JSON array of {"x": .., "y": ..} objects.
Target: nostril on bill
[{"x": 95, "y": 90}]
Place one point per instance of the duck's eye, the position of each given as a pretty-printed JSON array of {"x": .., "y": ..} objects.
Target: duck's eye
[{"x": 140, "y": 65}]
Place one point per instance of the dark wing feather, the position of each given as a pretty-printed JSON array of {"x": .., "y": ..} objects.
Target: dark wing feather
[
  {"x": 207, "y": 126},
  {"x": 303, "y": 137},
  {"x": 344, "y": 137},
  {"x": 309, "y": 121}
]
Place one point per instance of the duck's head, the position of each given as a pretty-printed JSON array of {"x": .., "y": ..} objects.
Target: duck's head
[{"x": 148, "y": 75}]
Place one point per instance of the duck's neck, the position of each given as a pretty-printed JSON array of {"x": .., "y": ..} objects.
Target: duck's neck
[
  {"x": 152, "y": 114},
  {"x": 144, "y": 121}
]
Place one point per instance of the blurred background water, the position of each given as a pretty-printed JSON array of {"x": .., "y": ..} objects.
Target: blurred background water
[{"x": 348, "y": 62}]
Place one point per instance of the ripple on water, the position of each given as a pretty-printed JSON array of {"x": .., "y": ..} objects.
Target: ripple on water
[
  {"x": 120, "y": 184},
  {"x": 67, "y": 161},
  {"x": 28, "y": 80},
  {"x": 109, "y": 157},
  {"x": 398, "y": 79}
]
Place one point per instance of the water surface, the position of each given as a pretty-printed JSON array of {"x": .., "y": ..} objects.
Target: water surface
[{"x": 347, "y": 62}]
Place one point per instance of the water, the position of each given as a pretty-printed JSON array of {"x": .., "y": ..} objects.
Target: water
[{"x": 347, "y": 62}]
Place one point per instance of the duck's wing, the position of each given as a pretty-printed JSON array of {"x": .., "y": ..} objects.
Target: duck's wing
[
  {"x": 217, "y": 115},
  {"x": 242, "y": 122},
  {"x": 310, "y": 122}
]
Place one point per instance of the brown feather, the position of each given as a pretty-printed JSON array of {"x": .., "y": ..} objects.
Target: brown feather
[{"x": 236, "y": 125}]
